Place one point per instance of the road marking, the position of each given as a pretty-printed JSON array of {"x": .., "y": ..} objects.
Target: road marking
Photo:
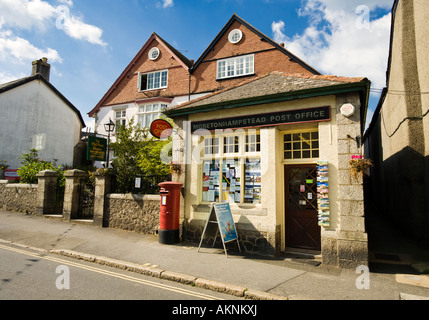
[{"x": 115, "y": 274}]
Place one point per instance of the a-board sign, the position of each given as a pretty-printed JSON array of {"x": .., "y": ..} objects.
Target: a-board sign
[
  {"x": 225, "y": 221},
  {"x": 220, "y": 213}
]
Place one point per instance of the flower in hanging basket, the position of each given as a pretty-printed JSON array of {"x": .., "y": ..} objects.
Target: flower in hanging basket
[
  {"x": 176, "y": 168},
  {"x": 359, "y": 165}
]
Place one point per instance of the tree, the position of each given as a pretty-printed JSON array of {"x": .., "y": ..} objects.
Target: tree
[
  {"x": 137, "y": 154},
  {"x": 129, "y": 141}
]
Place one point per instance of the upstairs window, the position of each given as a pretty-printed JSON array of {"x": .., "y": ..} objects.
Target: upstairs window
[
  {"x": 235, "y": 67},
  {"x": 120, "y": 119},
  {"x": 153, "y": 80},
  {"x": 150, "y": 112}
]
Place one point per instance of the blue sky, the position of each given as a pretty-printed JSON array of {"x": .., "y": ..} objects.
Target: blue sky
[{"x": 89, "y": 42}]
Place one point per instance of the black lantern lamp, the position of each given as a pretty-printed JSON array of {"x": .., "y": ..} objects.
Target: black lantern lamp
[{"x": 109, "y": 127}]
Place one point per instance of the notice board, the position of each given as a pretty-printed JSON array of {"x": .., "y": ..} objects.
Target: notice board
[
  {"x": 96, "y": 150},
  {"x": 220, "y": 213}
]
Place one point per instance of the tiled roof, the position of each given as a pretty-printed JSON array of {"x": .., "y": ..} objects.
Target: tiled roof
[{"x": 271, "y": 84}]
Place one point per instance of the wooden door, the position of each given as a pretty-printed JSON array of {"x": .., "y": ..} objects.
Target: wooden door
[{"x": 302, "y": 229}]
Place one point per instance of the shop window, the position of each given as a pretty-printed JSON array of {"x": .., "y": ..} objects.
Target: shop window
[
  {"x": 211, "y": 146},
  {"x": 301, "y": 145},
  {"x": 252, "y": 175},
  {"x": 231, "y": 144},
  {"x": 229, "y": 174},
  {"x": 253, "y": 143}
]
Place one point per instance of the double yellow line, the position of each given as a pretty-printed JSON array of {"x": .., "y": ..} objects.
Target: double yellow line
[{"x": 114, "y": 274}]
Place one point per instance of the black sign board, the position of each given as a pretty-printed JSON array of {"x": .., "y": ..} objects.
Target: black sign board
[
  {"x": 266, "y": 119},
  {"x": 96, "y": 150}
]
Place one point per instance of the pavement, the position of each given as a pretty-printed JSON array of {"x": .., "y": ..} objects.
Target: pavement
[{"x": 399, "y": 268}]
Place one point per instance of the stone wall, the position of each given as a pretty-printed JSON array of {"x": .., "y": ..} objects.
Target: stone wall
[
  {"x": 18, "y": 197},
  {"x": 133, "y": 212}
]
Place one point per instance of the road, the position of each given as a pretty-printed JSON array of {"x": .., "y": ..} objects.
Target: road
[{"x": 27, "y": 274}]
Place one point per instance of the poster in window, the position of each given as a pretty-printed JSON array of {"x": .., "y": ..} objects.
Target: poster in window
[{"x": 252, "y": 190}]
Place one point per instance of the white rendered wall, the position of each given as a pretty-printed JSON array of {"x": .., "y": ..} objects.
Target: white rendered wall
[{"x": 33, "y": 116}]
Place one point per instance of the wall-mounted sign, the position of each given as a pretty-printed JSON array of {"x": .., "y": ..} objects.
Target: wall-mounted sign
[
  {"x": 96, "y": 150},
  {"x": 161, "y": 129},
  {"x": 266, "y": 119},
  {"x": 347, "y": 110},
  {"x": 11, "y": 174}
]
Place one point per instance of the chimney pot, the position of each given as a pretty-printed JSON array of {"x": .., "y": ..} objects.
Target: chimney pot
[{"x": 42, "y": 67}]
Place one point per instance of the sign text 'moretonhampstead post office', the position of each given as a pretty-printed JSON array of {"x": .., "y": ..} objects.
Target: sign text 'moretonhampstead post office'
[{"x": 266, "y": 119}]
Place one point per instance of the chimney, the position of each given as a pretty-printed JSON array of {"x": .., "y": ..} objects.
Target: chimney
[{"x": 41, "y": 66}]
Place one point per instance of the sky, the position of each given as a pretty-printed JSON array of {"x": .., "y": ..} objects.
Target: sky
[{"x": 90, "y": 42}]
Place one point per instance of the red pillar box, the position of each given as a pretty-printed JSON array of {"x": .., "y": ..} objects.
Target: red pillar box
[{"x": 170, "y": 212}]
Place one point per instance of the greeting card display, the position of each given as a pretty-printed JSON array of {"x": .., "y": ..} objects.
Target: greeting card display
[{"x": 323, "y": 193}]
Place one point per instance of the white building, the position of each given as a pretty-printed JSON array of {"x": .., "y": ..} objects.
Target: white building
[{"x": 34, "y": 114}]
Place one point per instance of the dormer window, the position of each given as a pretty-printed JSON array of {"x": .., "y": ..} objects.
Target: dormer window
[
  {"x": 235, "y": 67},
  {"x": 153, "y": 80}
]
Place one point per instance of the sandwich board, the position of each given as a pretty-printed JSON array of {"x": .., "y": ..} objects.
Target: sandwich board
[{"x": 220, "y": 213}]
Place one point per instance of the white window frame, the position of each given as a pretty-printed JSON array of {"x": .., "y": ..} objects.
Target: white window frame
[
  {"x": 151, "y": 111},
  {"x": 221, "y": 158},
  {"x": 235, "y": 67},
  {"x": 152, "y": 77},
  {"x": 120, "y": 118}
]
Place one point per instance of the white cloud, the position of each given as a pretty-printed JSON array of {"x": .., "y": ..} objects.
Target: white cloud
[
  {"x": 41, "y": 15},
  {"x": 25, "y": 14},
  {"x": 66, "y": 2},
  {"x": 77, "y": 29},
  {"x": 21, "y": 49},
  {"x": 167, "y": 3},
  {"x": 341, "y": 40}
]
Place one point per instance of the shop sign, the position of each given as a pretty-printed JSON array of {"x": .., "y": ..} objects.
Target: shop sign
[
  {"x": 266, "y": 119},
  {"x": 96, "y": 150},
  {"x": 161, "y": 129},
  {"x": 11, "y": 174}
]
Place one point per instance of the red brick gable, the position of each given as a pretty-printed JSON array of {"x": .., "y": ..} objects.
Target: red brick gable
[
  {"x": 125, "y": 89},
  {"x": 268, "y": 57}
]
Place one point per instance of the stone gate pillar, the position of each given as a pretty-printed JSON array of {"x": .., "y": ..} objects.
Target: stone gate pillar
[
  {"x": 102, "y": 188},
  {"x": 75, "y": 180},
  {"x": 46, "y": 192}
]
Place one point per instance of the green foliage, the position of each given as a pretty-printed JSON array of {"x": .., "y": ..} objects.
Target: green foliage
[
  {"x": 129, "y": 140},
  {"x": 137, "y": 154},
  {"x": 31, "y": 165}
]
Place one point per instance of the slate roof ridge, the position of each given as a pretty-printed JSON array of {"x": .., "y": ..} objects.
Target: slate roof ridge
[{"x": 331, "y": 78}]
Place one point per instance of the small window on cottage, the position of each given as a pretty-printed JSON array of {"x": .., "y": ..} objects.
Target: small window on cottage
[{"x": 301, "y": 145}]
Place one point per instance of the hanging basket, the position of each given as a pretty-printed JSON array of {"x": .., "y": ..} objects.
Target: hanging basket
[
  {"x": 176, "y": 168},
  {"x": 359, "y": 166}
]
